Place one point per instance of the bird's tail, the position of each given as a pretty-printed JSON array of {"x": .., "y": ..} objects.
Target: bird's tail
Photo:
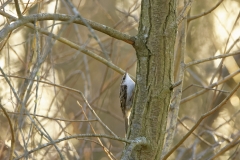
[{"x": 126, "y": 123}]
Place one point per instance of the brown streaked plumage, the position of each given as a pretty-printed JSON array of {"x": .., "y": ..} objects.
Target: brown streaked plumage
[{"x": 126, "y": 97}]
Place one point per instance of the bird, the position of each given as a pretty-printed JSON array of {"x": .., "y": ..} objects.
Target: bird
[{"x": 127, "y": 87}]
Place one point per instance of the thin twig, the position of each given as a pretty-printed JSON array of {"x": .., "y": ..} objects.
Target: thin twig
[
  {"x": 18, "y": 9},
  {"x": 75, "y": 46},
  {"x": 213, "y": 89},
  {"x": 73, "y": 137},
  {"x": 200, "y": 120},
  {"x": 234, "y": 142},
  {"x": 53, "y": 118},
  {"x": 4, "y": 4},
  {"x": 210, "y": 86},
  {"x": 12, "y": 133},
  {"x": 226, "y": 51},
  {"x": 107, "y": 151},
  {"x": 85, "y": 102},
  {"x": 21, "y": 103},
  {"x": 50, "y": 138},
  {"x": 199, "y": 137},
  {"x": 227, "y": 121},
  {"x": 95, "y": 114},
  {"x": 184, "y": 12},
  {"x": 44, "y": 82},
  {"x": 205, "y": 13},
  {"x": 211, "y": 58},
  {"x": 76, "y": 12}
]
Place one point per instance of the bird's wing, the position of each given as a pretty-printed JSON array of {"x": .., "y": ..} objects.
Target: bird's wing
[{"x": 123, "y": 98}]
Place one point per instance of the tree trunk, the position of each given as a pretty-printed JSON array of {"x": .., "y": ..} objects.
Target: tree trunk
[{"x": 155, "y": 51}]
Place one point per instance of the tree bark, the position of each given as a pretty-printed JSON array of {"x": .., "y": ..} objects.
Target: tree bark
[{"x": 155, "y": 51}]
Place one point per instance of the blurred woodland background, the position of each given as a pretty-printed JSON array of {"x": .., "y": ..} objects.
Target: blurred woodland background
[{"x": 58, "y": 112}]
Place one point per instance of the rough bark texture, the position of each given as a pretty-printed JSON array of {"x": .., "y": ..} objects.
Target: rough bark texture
[{"x": 155, "y": 50}]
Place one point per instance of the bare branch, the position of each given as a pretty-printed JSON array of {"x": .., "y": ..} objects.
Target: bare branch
[
  {"x": 55, "y": 118},
  {"x": 184, "y": 12},
  {"x": 213, "y": 89},
  {"x": 5, "y": 3},
  {"x": 186, "y": 127},
  {"x": 63, "y": 17},
  {"x": 234, "y": 142},
  {"x": 200, "y": 120},
  {"x": 75, "y": 46},
  {"x": 140, "y": 141},
  {"x": 18, "y": 9},
  {"x": 64, "y": 87},
  {"x": 211, "y": 58},
  {"x": 107, "y": 151},
  {"x": 205, "y": 13},
  {"x": 73, "y": 137},
  {"x": 210, "y": 86},
  {"x": 12, "y": 133},
  {"x": 91, "y": 109},
  {"x": 75, "y": 11},
  {"x": 180, "y": 49},
  {"x": 32, "y": 120}
]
